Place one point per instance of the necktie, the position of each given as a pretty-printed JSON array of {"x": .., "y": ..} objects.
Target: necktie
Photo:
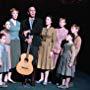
[{"x": 31, "y": 23}]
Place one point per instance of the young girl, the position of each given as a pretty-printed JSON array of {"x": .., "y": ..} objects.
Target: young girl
[
  {"x": 4, "y": 67},
  {"x": 77, "y": 39},
  {"x": 61, "y": 34},
  {"x": 66, "y": 66},
  {"x": 6, "y": 31}
]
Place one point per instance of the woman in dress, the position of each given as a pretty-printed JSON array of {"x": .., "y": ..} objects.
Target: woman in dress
[
  {"x": 61, "y": 34},
  {"x": 45, "y": 61},
  {"x": 14, "y": 36}
]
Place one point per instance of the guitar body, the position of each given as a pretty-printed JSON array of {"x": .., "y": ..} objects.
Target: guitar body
[{"x": 24, "y": 67}]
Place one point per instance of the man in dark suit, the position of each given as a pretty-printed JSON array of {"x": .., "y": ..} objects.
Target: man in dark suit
[{"x": 31, "y": 26}]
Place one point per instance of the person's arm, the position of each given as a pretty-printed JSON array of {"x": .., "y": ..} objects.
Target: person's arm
[
  {"x": 72, "y": 56},
  {"x": 53, "y": 41},
  {"x": 61, "y": 51},
  {"x": 0, "y": 58},
  {"x": 29, "y": 39},
  {"x": 78, "y": 43},
  {"x": 21, "y": 32},
  {"x": 53, "y": 38}
]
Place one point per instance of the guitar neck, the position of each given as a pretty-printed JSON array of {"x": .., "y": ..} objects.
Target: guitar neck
[{"x": 28, "y": 48}]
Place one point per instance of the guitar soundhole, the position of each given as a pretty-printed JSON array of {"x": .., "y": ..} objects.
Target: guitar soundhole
[{"x": 26, "y": 59}]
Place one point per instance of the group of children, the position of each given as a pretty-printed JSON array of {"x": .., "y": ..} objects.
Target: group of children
[
  {"x": 67, "y": 52},
  {"x": 5, "y": 56}
]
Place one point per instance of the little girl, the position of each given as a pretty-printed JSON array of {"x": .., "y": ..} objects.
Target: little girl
[
  {"x": 4, "y": 67},
  {"x": 66, "y": 66}
]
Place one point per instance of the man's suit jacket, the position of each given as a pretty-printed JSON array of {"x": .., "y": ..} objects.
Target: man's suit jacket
[{"x": 36, "y": 30}]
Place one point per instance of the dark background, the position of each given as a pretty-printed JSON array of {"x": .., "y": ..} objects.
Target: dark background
[{"x": 75, "y": 11}]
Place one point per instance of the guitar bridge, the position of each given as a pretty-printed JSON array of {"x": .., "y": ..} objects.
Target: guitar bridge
[{"x": 24, "y": 67}]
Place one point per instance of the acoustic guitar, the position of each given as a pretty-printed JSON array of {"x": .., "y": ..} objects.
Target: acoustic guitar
[{"x": 24, "y": 67}]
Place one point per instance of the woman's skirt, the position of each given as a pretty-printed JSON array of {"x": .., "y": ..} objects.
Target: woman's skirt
[{"x": 15, "y": 52}]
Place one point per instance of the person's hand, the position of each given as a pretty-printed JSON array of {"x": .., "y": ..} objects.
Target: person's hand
[
  {"x": 70, "y": 64},
  {"x": 56, "y": 50},
  {"x": 29, "y": 41},
  {"x": 26, "y": 32},
  {"x": 51, "y": 54}
]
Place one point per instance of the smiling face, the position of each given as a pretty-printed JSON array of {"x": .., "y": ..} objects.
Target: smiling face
[
  {"x": 7, "y": 25},
  {"x": 74, "y": 29},
  {"x": 62, "y": 22},
  {"x": 48, "y": 20},
  {"x": 32, "y": 12},
  {"x": 14, "y": 14},
  {"x": 3, "y": 39}
]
